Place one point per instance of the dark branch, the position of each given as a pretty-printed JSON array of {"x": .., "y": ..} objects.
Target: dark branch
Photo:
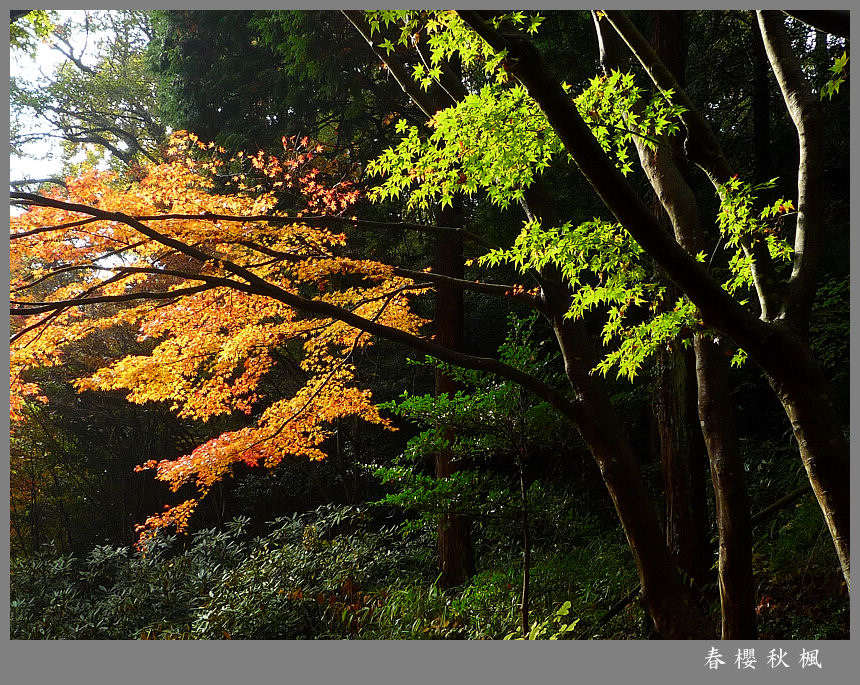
[
  {"x": 837, "y": 22},
  {"x": 48, "y": 229},
  {"x": 19, "y": 308},
  {"x": 259, "y": 286}
]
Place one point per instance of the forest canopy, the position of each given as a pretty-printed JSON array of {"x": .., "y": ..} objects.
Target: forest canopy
[{"x": 430, "y": 324}]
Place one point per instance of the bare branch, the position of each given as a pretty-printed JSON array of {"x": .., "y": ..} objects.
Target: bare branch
[
  {"x": 804, "y": 110},
  {"x": 836, "y": 22}
]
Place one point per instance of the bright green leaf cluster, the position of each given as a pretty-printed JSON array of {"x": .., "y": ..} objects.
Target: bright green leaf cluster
[
  {"x": 605, "y": 267},
  {"x": 497, "y": 140},
  {"x": 740, "y": 221},
  {"x": 840, "y": 76},
  {"x": 613, "y": 109}
]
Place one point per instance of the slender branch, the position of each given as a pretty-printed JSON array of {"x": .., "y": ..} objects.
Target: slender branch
[
  {"x": 56, "y": 312},
  {"x": 21, "y": 310},
  {"x": 804, "y": 110},
  {"x": 48, "y": 229},
  {"x": 259, "y": 286},
  {"x": 495, "y": 289},
  {"x": 359, "y": 224},
  {"x": 80, "y": 267},
  {"x": 390, "y": 296},
  {"x": 429, "y": 101}
]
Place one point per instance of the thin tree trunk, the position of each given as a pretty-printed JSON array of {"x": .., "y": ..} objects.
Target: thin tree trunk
[
  {"x": 456, "y": 559},
  {"x": 737, "y": 599},
  {"x": 527, "y": 551}
]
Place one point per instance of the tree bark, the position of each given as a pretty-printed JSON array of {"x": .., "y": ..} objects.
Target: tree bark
[
  {"x": 456, "y": 558},
  {"x": 527, "y": 549},
  {"x": 737, "y": 599},
  {"x": 682, "y": 464}
]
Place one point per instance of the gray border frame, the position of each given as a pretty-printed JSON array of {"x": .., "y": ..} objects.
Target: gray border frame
[{"x": 499, "y": 663}]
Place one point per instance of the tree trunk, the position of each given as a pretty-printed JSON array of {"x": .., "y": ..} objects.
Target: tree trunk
[
  {"x": 668, "y": 601},
  {"x": 823, "y": 446},
  {"x": 737, "y": 599},
  {"x": 456, "y": 561},
  {"x": 682, "y": 461},
  {"x": 664, "y": 169}
]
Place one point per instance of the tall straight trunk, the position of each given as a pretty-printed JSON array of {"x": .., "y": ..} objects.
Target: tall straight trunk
[
  {"x": 683, "y": 470},
  {"x": 737, "y": 598},
  {"x": 716, "y": 416},
  {"x": 682, "y": 461},
  {"x": 456, "y": 558}
]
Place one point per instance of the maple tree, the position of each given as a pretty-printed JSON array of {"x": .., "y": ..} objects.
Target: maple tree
[
  {"x": 212, "y": 338},
  {"x": 224, "y": 285}
]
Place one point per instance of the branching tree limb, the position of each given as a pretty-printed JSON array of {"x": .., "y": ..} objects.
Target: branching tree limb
[
  {"x": 795, "y": 376},
  {"x": 702, "y": 148},
  {"x": 253, "y": 284},
  {"x": 805, "y": 112}
]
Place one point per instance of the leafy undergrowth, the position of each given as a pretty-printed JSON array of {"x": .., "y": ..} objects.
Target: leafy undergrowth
[
  {"x": 802, "y": 594},
  {"x": 352, "y": 572}
]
